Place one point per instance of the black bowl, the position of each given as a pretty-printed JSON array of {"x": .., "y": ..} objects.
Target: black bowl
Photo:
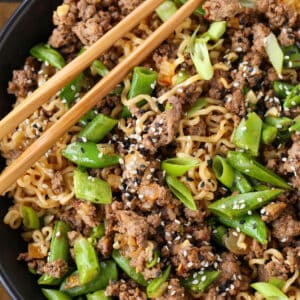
[{"x": 30, "y": 24}]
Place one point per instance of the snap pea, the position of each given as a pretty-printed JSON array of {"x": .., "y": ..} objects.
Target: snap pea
[
  {"x": 277, "y": 282},
  {"x": 216, "y": 30},
  {"x": 47, "y": 54},
  {"x": 181, "y": 77},
  {"x": 200, "y": 281},
  {"x": 30, "y": 217},
  {"x": 89, "y": 116},
  {"x": 218, "y": 234},
  {"x": 55, "y": 295},
  {"x": 251, "y": 225},
  {"x": 98, "y": 295},
  {"x": 296, "y": 126},
  {"x": 293, "y": 99},
  {"x": 199, "y": 104},
  {"x": 98, "y": 232},
  {"x": 282, "y": 89},
  {"x": 86, "y": 260},
  {"x": 72, "y": 287},
  {"x": 269, "y": 291},
  {"x": 166, "y": 10},
  {"x": 154, "y": 261},
  {"x": 247, "y": 134},
  {"x": 281, "y": 124},
  {"x": 242, "y": 183},
  {"x": 268, "y": 134},
  {"x": 154, "y": 287},
  {"x": 291, "y": 56},
  {"x": 124, "y": 264},
  {"x": 199, "y": 11},
  {"x": 223, "y": 171},
  {"x": 241, "y": 204},
  {"x": 98, "y": 128},
  {"x": 91, "y": 189},
  {"x": 177, "y": 166},
  {"x": 181, "y": 192},
  {"x": 59, "y": 250},
  {"x": 248, "y": 166},
  {"x": 88, "y": 155}
]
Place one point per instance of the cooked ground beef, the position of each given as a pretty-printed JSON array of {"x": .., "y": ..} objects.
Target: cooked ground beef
[
  {"x": 125, "y": 291},
  {"x": 56, "y": 269}
]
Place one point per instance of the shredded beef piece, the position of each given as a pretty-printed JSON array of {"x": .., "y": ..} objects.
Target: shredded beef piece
[
  {"x": 236, "y": 104},
  {"x": 260, "y": 32},
  {"x": 286, "y": 37},
  {"x": 104, "y": 246},
  {"x": 217, "y": 10},
  {"x": 217, "y": 89},
  {"x": 272, "y": 211},
  {"x": 255, "y": 250},
  {"x": 286, "y": 228},
  {"x": 87, "y": 212},
  {"x": 65, "y": 14},
  {"x": 127, "y": 6},
  {"x": 125, "y": 290},
  {"x": 56, "y": 269},
  {"x": 57, "y": 183},
  {"x": 163, "y": 128}
]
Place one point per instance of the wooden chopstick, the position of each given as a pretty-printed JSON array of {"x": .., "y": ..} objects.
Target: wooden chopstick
[
  {"x": 76, "y": 66},
  {"x": 91, "y": 98}
]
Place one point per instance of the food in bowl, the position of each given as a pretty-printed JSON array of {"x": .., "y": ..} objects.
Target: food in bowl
[{"x": 183, "y": 181}]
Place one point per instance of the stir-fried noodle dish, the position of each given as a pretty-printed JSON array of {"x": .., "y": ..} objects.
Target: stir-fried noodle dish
[{"x": 183, "y": 182}]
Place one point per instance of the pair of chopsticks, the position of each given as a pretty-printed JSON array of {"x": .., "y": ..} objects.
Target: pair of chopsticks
[{"x": 18, "y": 167}]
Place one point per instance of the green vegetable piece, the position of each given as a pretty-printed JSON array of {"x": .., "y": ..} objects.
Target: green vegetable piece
[
  {"x": 218, "y": 234},
  {"x": 269, "y": 291},
  {"x": 200, "y": 282},
  {"x": 154, "y": 261},
  {"x": 88, "y": 155},
  {"x": 248, "y": 3},
  {"x": 268, "y": 134},
  {"x": 242, "y": 183},
  {"x": 277, "y": 282},
  {"x": 86, "y": 260},
  {"x": 47, "y": 54},
  {"x": 98, "y": 232},
  {"x": 30, "y": 218},
  {"x": 296, "y": 126},
  {"x": 99, "y": 68},
  {"x": 181, "y": 192},
  {"x": 274, "y": 52},
  {"x": 181, "y": 77},
  {"x": 124, "y": 264},
  {"x": 216, "y": 30},
  {"x": 166, "y": 10},
  {"x": 294, "y": 61},
  {"x": 248, "y": 166},
  {"x": 72, "y": 287},
  {"x": 247, "y": 134},
  {"x": 98, "y": 295},
  {"x": 55, "y": 295},
  {"x": 282, "y": 89},
  {"x": 241, "y": 204},
  {"x": 293, "y": 99},
  {"x": 199, "y": 11},
  {"x": 91, "y": 188},
  {"x": 291, "y": 56},
  {"x": 153, "y": 288},
  {"x": 98, "y": 128},
  {"x": 281, "y": 124},
  {"x": 223, "y": 171},
  {"x": 177, "y": 166},
  {"x": 89, "y": 116},
  {"x": 251, "y": 225},
  {"x": 199, "y": 104}
]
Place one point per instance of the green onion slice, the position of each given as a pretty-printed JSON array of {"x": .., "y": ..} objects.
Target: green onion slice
[{"x": 177, "y": 166}]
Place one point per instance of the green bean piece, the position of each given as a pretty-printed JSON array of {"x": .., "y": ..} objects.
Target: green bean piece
[
  {"x": 55, "y": 295},
  {"x": 88, "y": 155},
  {"x": 71, "y": 91},
  {"x": 142, "y": 83},
  {"x": 294, "y": 61},
  {"x": 282, "y": 89},
  {"x": 154, "y": 287},
  {"x": 218, "y": 234},
  {"x": 177, "y": 166},
  {"x": 166, "y": 10},
  {"x": 242, "y": 183},
  {"x": 247, "y": 134},
  {"x": 91, "y": 189},
  {"x": 181, "y": 192},
  {"x": 200, "y": 281},
  {"x": 251, "y": 225},
  {"x": 296, "y": 126},
  {"x": 154, "y": 261},
  {"x": 99, "y": 68},
  {"x": 293, "y": 99},
  {"x": 47, "y": 54},
  {"x": 248, "y": 166},
  {"x": 86, "y": 260},
  {"x": 88, "y": 117},
  {"x": 98, "y": 128},
  {"x": 199, "y": 11},
  {"x": 291, "y": 56},
  {"x": 269, "y": 291},
  {"x": 181, "y": 77},
  {"x": 241, "y": 204},
  {"x": 98, "y": 295},
  {"x": 198, "y": 105},
  {"x": 268, "y": 134},
  {"x": 223, "y": 171},
  {"x": 281, "y": 124},
  {"x": 72, "y": 287},
  {"x": 216, "y": 30},
  {"x": 30, "y": 218},
  {"x": 124, "y": 264}
]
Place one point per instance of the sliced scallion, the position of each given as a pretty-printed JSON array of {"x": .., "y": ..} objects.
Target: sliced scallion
[{"x": 177, "y": 166}]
